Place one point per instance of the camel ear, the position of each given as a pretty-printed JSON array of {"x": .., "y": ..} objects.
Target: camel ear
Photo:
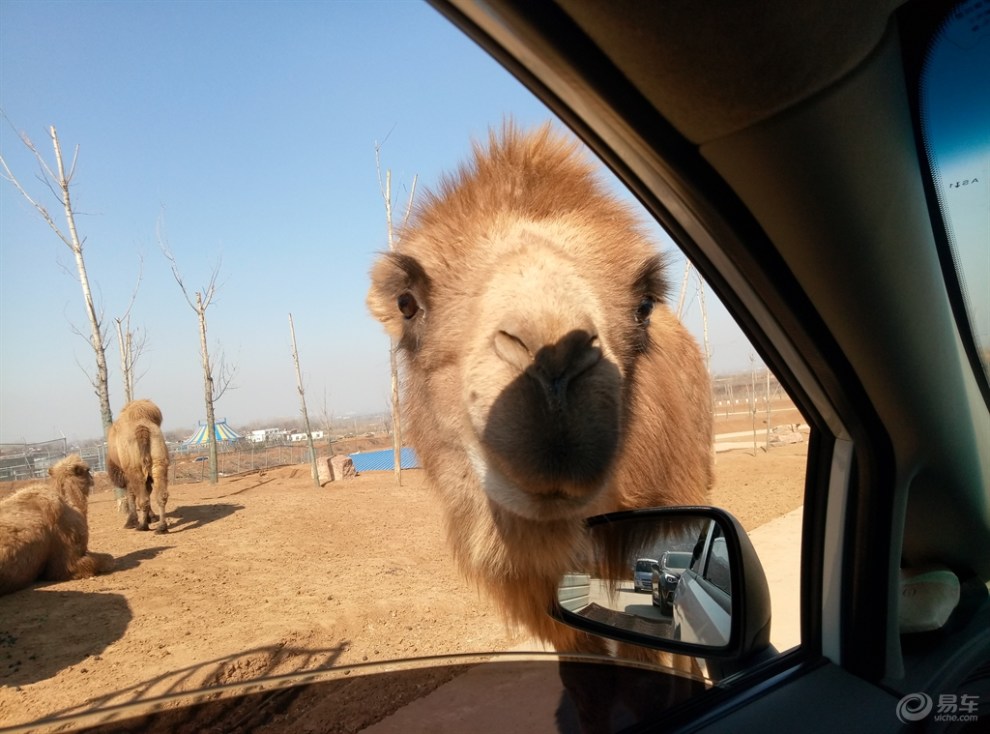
[{"x": 399, "y": 292}]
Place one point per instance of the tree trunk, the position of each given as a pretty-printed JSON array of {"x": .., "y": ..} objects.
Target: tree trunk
[
  {"x": 125, "y": 345},
  {"x": 129, "y": 376},
  {"x": 769, "y": 416},
  {"x": 302, "y": 400},
  {"x": 211, "y": 423},
  {"x": 752, "y": 397}
]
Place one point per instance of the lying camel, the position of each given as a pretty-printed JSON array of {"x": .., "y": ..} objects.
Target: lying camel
[{"x": 44, "y": 531}]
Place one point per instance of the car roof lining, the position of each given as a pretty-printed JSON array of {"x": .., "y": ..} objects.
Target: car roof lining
[{"x": 709, "y": 81}]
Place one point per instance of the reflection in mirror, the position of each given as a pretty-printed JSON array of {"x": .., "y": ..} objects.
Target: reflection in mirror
[{"x": 665, "y": 577}]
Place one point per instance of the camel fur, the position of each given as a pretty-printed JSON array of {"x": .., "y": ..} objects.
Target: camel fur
[
  {"x": 44, "y": 532},
  {"x": 137, "y": 461},
  {"x": 545, "y": 378}
]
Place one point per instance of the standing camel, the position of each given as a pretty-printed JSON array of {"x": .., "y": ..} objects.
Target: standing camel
[{"x": 137, "y": 461}]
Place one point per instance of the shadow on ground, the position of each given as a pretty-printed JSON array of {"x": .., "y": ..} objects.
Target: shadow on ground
[
  {"x": 136, "y": 558},
  {"x": 36, "y": 639},
  {"x": 243, "y": 667},
  {"x": 190, "y": 517}
]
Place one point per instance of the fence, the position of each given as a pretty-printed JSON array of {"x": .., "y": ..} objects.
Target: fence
[
  {"x": 742, "y": 394},
  {"x": 30, "y": 460},
  {"x": 188, "y": 464}
]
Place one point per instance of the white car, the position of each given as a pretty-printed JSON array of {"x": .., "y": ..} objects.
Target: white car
[
  {"x": 643, "y": 574},
  {"x": 702, "y": 608}
]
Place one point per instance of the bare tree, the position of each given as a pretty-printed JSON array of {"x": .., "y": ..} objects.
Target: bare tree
[
  {"x": 386, "y": 192},
  {"x": 213, "y": 388},
  {"x": 769, "y": 416},
  {"x": 704, "y": 321},
  {"x": 59, "y": 182},
  {"x": 327, "y": 416},
  {"x": 130, "y": 344},
  {"x": 683, "y": 293},
  {"x": 302, "y": 400},
  {"x": 752, "y": 397}
]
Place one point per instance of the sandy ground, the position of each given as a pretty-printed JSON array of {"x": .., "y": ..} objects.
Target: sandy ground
[{"x": 264, "y": 574}]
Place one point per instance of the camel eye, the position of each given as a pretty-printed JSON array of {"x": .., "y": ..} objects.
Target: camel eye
[
  {"x": 408, "y": 306},
  {"x": 644, "y": 310}
]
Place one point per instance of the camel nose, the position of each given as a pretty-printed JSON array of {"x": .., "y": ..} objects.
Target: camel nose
[{"x": 553, "y": 364}]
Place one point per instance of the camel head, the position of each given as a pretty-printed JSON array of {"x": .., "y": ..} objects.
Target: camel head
[
  {"x": 521, "y": 296},
  {"x": 72, "y": 473}
]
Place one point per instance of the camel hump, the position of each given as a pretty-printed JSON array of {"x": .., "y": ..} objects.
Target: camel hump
[{"x": 141, "y": 410}]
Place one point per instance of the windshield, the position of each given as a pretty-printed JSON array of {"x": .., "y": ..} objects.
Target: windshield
[
  {"x": 677, "y": 561},
  {"x": 955, "y": 113}
]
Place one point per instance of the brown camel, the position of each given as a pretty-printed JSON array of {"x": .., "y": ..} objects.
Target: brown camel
[
  {"x": 44, "y": 531},
  {"x": 546, "y": 379},
  {"x": 137, "y": 461}
]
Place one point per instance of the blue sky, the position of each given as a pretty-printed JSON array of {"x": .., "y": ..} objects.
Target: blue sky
[{"x": 250, "y": 129}]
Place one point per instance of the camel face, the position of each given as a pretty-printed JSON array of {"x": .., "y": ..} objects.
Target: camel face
[
  {"x": 522, "y": 321},
  {"x": 543, "y": 383}
]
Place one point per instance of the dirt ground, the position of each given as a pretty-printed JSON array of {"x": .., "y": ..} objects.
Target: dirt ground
[{"x": 264, "y": 574}]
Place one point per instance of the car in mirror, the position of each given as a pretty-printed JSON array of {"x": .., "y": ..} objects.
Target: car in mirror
[
  {"x": 665, "y": 577},
  {"x": 710, "y": 594}
]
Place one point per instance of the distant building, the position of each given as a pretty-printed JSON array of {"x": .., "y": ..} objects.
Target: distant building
[
  {"x": 317, "y": 435},
  {"x": 265, "y": 435}
]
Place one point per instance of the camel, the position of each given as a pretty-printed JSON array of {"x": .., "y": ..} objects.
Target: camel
[
  {"x": 545, "y": 378},
  {"x": 137, "y": 461},
  {"x": 44, "y": 531}
]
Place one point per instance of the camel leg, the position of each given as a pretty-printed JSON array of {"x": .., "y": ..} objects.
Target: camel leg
[
  {"x": 143, "y": 501},
  {"x": 152, "y": 517},
  {"x": 144, "y": 514},
  {"x": 131, "y": 521},
  {"x": 91, "y": 564},
  {"x": 161, "y": 497}
]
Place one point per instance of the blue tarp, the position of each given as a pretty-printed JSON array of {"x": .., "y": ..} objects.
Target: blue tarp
[{"x": 384, "y": 460}]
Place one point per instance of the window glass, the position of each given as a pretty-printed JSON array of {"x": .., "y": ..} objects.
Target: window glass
[
  {"x": 718, "y": 566},
  {"x": 248, "y": 134},
  {"x": 955, "y": 112}
]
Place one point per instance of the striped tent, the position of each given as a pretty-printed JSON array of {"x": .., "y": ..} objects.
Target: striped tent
[
  {"x": 384, "y": 460},
  {"x": 223, "y": 432}
]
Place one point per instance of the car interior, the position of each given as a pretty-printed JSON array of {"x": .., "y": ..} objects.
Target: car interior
[{"x": 782, "y": 147}]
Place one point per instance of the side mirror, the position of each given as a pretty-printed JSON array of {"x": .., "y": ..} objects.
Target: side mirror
[{"x": 682, "y": 579}]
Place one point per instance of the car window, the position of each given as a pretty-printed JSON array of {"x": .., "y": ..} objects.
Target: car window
[
  {"x": 717, "y": 570},
  {"x": 286, "y": 585},
  {"x": 676, "y": 560},
  {"x": 955, "y": 114}
]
